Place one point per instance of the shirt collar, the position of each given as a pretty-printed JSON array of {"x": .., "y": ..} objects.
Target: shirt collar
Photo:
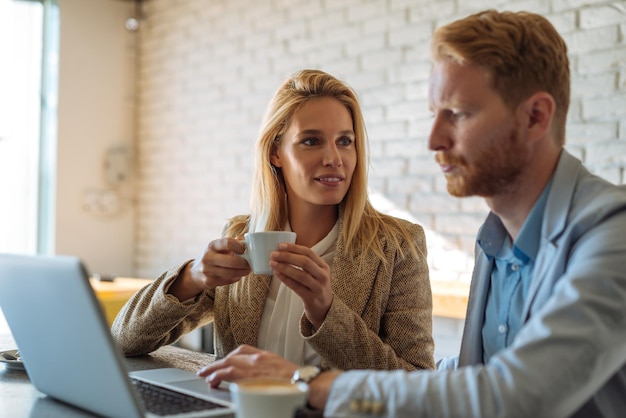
[
  {"x": 327, "y": 244},
  {"x": 529, "y": 236},
  {"x": 493, "y": 234}
]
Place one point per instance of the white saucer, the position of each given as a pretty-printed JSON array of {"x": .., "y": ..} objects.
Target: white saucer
[{"x": 11, "y": 364}]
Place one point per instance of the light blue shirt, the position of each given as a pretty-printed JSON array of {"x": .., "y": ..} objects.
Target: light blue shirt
[{"x": 512, "y": 272}]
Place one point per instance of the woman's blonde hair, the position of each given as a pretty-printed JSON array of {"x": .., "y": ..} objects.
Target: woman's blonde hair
[
  {"x": 522, "y": 53},
  {"x": 269, "y": 211}
]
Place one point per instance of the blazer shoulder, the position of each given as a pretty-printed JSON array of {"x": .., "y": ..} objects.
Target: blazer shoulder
[
  {"x": 401, "y": 235},
  {"x": 579, "y": 197},
  {"x": 394, "y": 225},
  {"x": 598, "y": 198}
]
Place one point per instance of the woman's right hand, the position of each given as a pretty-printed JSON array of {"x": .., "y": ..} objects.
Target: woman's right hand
[{"x": 218, "y": 266}]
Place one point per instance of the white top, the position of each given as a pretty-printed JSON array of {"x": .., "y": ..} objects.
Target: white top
[{"x": 279, "y": 331}]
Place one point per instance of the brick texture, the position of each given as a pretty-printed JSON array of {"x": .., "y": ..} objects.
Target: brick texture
[{"x": 207, "y": 69}]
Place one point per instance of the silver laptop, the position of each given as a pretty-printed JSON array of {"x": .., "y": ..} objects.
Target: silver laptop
[{"x": 68, "y": 351}]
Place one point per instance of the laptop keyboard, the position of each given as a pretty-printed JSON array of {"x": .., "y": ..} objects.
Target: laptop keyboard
[{"x": 163, "y": 402}]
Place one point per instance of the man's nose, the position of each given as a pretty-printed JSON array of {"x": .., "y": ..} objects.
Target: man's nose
[{"x": 439, "y": 137}]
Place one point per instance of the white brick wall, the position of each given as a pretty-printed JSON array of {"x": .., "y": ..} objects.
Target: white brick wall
[{"x": 208, "y": 68}]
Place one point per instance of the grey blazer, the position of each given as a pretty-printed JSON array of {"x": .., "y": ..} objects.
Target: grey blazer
[
  {"x": 569, "y": 357},
  {"x": 573, "y": 343}
]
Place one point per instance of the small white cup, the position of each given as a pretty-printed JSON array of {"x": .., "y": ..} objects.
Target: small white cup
[
  {"x": 262, "y": 397},
  {"x": 259, "y": 246}
]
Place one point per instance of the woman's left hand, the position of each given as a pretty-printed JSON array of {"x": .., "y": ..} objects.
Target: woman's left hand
[
  {"x": 246, "y": 361},
  {"x": 308, "y": 275}
]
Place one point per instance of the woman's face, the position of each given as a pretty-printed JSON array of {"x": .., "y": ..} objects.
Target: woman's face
[{"x": 317, "y": 154}]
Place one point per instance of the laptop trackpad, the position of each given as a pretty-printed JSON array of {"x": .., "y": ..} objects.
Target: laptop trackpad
[
  {"x": 187, "y": 382},
  {"x": 201, "y": 388}
]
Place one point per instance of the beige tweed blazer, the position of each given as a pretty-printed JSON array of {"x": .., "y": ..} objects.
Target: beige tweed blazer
[{"x": 381, "y": 317}]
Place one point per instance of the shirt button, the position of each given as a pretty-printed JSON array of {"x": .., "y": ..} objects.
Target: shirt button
[
  {"x": 501, "y": 329},
  {"x": 515, "y": 267}
]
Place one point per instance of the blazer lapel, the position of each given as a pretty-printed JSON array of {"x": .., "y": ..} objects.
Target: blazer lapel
[
  {"x": 554, "y": 222},
  {"x": 472, "y": 341},
  {"x": 354, "y": 293},
  {"x": 246, "y": 313}
]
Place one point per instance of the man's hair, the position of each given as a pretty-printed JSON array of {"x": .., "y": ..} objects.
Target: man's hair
[{"x": 521, "y": 52}]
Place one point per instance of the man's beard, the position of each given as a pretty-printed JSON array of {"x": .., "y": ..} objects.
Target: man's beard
[{"x": 491, "y": 172}]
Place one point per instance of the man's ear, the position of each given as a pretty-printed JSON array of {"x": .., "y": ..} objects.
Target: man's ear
[{"x": 538, "y": 111}]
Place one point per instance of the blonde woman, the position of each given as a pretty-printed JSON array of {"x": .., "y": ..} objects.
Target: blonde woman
[{"x": 353, "y": 292}]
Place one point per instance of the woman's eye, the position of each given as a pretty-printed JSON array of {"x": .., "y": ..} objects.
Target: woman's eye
[
  {"x": 345, "y": 141},
  {"x": 310, "y": 141}
]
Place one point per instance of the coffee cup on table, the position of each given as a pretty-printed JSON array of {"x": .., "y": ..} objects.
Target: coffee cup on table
[
  {"x": 259, "y": 246},
  {"x": 264, "y": 397}
]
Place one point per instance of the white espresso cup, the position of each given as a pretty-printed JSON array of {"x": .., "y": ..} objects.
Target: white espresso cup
[
  {"x": 259, "y": 246},
  {"x": 264, "y": 397}
]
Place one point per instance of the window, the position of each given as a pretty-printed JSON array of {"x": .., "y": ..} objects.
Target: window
[{"x": 28, "y": 50}]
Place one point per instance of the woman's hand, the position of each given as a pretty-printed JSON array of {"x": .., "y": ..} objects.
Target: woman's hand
[
  {"x": 246, "y": 361},
  {"x": 218, "y": 266},
  {"x": 308, "y": 275}
]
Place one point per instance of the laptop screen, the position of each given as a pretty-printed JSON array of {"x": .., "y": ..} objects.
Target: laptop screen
[{"x": 63, "y": 336}]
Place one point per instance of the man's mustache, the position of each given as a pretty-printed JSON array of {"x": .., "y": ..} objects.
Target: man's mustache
[{"x": 447, "y": 159}]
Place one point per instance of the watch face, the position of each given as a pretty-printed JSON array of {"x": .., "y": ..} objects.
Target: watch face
[{"x": 305, "y": 374}]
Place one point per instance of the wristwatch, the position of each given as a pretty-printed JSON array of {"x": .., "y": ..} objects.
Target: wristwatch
[{"x": 305, "y": 374}]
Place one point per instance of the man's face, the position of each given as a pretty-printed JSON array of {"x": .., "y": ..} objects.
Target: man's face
[{"x": 476, "y": 138}]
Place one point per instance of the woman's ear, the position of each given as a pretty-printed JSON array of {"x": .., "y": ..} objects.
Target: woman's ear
[
  {"x": 274, "y": 158},
  {"x": 539, "y": 113}
]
